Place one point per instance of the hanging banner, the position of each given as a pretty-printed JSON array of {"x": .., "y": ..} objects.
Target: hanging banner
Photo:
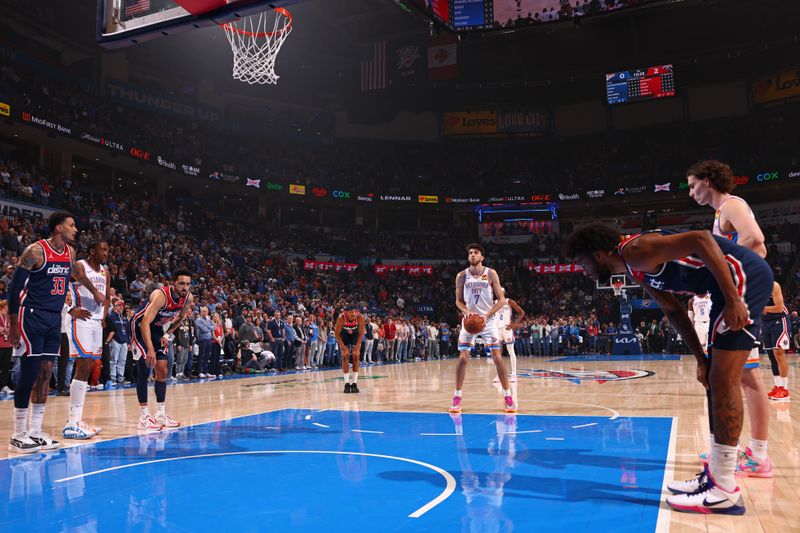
[
  {"x": 563, "y": 268},
  {"x": 411, "y": 270},
  {"x": 326, "y": 265}
]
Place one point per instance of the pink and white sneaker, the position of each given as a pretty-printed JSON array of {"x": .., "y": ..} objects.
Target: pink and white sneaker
[
  {"x": 456, "y": 407},
  {"x": 148, "y": 423},
  {"x": 510, "y": 406},
  {"x": 166, "y": 421},
  {"x": 709, "y": 499},
  {"x": 749, "y": 466}
]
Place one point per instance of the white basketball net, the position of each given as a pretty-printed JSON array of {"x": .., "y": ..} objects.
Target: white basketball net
[{"x": 255, "y": 47}]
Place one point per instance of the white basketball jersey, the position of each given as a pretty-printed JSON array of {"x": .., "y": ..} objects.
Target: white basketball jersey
[
  {"x": 81, "y": 297},
  {"x": 702, "y": 309},
  {"x": 478, "y": 293},
  {"x": 504, "y": 315}
]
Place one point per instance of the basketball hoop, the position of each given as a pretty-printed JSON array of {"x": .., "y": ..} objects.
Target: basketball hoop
[
  {"x": 617, "y": 287},
  {"x": 255, "y": 48}
]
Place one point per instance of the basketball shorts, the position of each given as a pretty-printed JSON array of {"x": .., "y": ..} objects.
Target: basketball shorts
[
  {"x": 39, "y": 333},
  {"x": 349, "y": 339},
  {"x": 775, "y": 333},
  {"x": 506, "y": 335},
  {"x": 701, "y": 328},
  {"x": 138, "y": 347},
  {"x": 756, "y": 286},
  {"x": 85, "y": 338},
  {"x": 490, "y": 335}
]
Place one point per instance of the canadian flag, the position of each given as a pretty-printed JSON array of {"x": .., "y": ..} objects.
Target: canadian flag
[{"x": 442, "y": 57}]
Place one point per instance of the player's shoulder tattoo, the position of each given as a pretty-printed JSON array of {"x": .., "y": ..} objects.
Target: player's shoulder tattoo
[{"x": 32, "y": 257}]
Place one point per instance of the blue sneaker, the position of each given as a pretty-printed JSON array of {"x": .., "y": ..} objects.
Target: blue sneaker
[{"x": 109, "y": 385}]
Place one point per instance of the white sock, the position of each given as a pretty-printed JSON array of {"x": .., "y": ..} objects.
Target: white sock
[
  {"x": 711, "y": 445},
  {"x": 785, "y": 382},
  {"x": 347, "y": 378},
  {"x": 513, "y": 356},
  {"x": 20, "y": 420},
  {"x": 77, "y": 395},
  {"x": 723, "y": 466},
  {"x": 354, "y": 378},
  {"x": 506, "y": 392},
  {"x": 759, "y": 449},
  {"x": 37, "y": 415},
  {"x": 457, "y": 393},
  {"x": 161, "y": 409},
  {"x": 143, "y": 411}
]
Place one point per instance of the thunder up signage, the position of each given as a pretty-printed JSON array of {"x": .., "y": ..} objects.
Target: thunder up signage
[
  {"x": 154, "y": 101},
  {"x": 10, "y": 208}
]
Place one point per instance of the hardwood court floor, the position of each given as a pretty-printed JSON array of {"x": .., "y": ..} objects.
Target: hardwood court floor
[{"x": 583, "y": 388}]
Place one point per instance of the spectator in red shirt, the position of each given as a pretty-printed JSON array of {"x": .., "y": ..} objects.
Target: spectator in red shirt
[
  {"x": 592, "y": 331},
  {"x": 390, "y": 334}
]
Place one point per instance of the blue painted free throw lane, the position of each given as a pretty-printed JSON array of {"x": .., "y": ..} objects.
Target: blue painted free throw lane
[
  {"x": 344, "y": 471},
  {"x": 607, "y": 357}
]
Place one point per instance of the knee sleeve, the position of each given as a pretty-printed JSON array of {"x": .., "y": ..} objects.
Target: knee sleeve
[
  {"x": 142, "y": 373},
  {"x": 161, "y": 391},
  {"x": 29, "y": 371}
]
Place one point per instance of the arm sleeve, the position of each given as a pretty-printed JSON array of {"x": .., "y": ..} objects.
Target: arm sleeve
[{"x": 17, "y": 284}]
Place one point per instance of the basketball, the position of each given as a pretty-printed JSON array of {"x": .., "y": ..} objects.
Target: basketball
[{"x": 473, "y": 324}]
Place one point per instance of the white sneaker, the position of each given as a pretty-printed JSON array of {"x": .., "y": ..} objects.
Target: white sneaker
[
  {"x": 80, "y": 430},
  {"x": 179, "y": 375},
  {"x": 710, "y": 499},
  {"x": 44, "y": 440},
  {"x": 22, "y": 443},
  {"x": 689, "y": 486},
  {"x": 6, "y": 390},
  {"x": 201, "y": 375},
  {"x": 166, "y": 421},
  {"x": 148, "y": 423}
]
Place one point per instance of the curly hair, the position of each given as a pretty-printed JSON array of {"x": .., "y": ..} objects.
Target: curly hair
[
  {"x": 719, "y": 174},
  {"x": 476, "y": 246},
  {"x": 589, "y": 239}
]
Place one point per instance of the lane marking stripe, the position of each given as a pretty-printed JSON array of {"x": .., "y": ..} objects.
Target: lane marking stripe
[{"x": 450, "y": 486}]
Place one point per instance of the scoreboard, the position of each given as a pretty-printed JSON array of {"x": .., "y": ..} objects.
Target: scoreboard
[
  {"x": 640, "y": 84},
  {"x": 471, "y": 14}
]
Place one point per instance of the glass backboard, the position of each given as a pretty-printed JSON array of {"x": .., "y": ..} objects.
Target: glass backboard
[{"x": 126, "y": 22}]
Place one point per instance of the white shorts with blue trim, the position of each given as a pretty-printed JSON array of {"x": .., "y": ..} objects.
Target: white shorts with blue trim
[
  {"x": 490, "y": 335},
  {"x": 85, "y": 338}
]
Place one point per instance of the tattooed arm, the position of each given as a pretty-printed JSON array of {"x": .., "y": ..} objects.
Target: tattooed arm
[{"x": 31, "y": 259}]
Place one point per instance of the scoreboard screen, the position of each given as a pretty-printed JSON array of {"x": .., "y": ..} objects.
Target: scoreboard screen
[
  {"x": 641, "y": 84},
  {"x": 471, "y": 14}
]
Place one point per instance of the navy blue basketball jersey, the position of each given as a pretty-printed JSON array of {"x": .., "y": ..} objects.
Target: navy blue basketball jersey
[
  {"x": 46, "y": 287},
  {"x": 775, "y": 316},
  {"x": 689, "y": 275},
  {"x": 166, "y": 315}
]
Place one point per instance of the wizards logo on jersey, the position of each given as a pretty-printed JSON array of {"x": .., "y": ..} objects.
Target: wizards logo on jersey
[{"x": 578, "y": 376}]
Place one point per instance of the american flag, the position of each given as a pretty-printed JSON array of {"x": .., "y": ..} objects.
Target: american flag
[
  {"x": 133, "y": 7},
  {"x": 374, "y": 74}
]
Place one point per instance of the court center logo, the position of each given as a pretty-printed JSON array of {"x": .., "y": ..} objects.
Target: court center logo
[{"x": 579, "y": 376}]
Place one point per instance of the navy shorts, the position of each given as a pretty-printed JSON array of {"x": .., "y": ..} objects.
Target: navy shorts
[
  {"x": 755, "y": 285},
  {"x": 40, "y": 333},
  {"x": 137, "y": 346},
  {"x": 775, "y": 333}
]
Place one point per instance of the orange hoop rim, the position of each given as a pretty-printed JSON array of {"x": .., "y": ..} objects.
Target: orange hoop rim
[{"x": 281, "y": 10}]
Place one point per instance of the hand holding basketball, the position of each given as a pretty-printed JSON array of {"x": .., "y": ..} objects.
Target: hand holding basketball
[{"x": 473, "y": 324}]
